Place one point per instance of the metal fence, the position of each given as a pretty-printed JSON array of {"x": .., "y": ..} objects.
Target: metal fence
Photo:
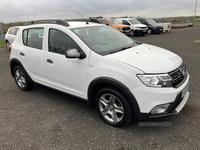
[{"x": 2, "y": 39}]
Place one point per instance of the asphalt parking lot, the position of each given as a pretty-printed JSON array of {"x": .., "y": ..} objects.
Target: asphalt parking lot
[{"x": 46, "y": 119}]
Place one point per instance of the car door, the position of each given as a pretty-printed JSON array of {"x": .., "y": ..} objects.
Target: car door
[
  {"x": 66, "y": 74},
  {"x": 32, "y": 54}
]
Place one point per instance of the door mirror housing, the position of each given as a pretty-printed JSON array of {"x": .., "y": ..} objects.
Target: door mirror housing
[{"x": 73, "y": 53}]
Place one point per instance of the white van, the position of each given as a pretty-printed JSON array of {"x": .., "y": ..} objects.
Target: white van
[{"x": 136, "y": 27}]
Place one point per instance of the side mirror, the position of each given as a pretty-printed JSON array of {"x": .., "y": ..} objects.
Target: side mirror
[
  {"x": 73, "y": 53},
  {"x": 107, "y": 24}
]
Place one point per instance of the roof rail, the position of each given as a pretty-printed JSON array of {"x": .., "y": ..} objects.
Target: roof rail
[
  {"x": 85, "y": 20},
  {"x": 60, "y": 22}
]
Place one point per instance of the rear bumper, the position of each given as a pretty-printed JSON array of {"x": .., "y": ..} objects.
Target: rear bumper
[{"x": 157, "y": 30}]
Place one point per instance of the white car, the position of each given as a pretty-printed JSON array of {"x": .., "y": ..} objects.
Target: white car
[
  {"x": 121, "y": 78},
  {"x": 10, "y": 35},
  {"x": 136, "y": 27}
]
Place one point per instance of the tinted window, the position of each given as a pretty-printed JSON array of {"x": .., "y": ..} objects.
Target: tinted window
[
  {"x": 59, "y": 42},
  {"x": 125, "y": 22},
  {"x": 33, "y": 37}
]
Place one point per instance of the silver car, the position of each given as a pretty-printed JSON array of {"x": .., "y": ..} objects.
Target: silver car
[{"x": 10, "y": 35}]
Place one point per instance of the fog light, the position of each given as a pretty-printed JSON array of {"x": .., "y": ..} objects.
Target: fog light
[{"x": 160, "y": 109}]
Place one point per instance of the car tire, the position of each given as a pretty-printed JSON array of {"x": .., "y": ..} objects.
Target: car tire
[
  {"x": 132, "y": 33},
  {"x": 21, "y": 79},
  {"x": 113, "y": 107},
  {"x": 7, "y": 45},
  {"x": 149, "y": 31}
]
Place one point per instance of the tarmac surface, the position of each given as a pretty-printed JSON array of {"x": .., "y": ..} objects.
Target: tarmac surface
[{"x": 46, "y": 119}]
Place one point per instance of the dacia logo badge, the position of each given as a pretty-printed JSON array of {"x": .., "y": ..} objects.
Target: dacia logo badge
[{"x": 182, "y": 71}]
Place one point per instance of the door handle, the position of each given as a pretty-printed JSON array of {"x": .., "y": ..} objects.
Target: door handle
[
  {"x": 49, "y": 61},
  {"x": 22, "y": 54}
]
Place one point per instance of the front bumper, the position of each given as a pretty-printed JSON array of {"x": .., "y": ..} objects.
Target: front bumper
[
  {"x": 127, "y": 32},
  {"x": 148, "y": 98},
  {"x": 139, "y": 31}
]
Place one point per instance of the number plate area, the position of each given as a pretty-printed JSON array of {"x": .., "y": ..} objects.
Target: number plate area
[{"x": 184, "y": 91}]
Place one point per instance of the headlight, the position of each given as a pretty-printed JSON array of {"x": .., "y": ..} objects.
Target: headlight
[
  {"x": 119, "y": 28},
  {"x": 159, "y": 80}
]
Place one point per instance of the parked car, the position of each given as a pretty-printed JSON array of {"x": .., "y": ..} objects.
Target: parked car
[
  {"x": 10, "y": 35},
  {"x": 116, "y": 25},
  {"x": 136, "y": 27},
  {"x": 153, "y": 27},
  {"x": 122, "y": 78}
]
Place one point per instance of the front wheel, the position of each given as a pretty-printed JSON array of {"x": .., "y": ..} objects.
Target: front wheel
[
  {"x": 132, "y": 33},
  {"x": 21, "y": 79},
  {"x": 113, "y": 107},
  {"x": 149, "y": 31}
]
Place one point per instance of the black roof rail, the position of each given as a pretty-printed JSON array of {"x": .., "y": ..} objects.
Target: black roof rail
[
  {"x": 60, "y": 22},
  {"x": 85, "y": 20},
  {"x": 95, "y": 20}
]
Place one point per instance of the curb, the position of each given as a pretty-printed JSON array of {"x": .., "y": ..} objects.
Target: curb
[{"x": 2, "y": 45}]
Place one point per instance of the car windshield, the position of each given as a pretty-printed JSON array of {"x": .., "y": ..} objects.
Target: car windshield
[
  {"x": 113, "y": 22},
  {"x": 150, "y": 21},
  {"x": 104, "y": 40},
  {"x": 134, "y": 22}
]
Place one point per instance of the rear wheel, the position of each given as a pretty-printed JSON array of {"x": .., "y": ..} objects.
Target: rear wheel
[
  {"x": 21, "y": 79},
  {"x": 113, "y": 107},
  {"x": 7, "y": 44}
]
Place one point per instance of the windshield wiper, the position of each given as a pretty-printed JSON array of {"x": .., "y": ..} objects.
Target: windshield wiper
[{"x": 123, "y": 48}]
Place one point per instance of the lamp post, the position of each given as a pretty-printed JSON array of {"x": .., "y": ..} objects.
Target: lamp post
[
  {"x": 195, "y": 11},
  {"x": 1, "y": 31}
]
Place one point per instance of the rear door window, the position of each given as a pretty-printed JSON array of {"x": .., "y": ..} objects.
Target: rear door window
[{"x": 33, "y": 37}]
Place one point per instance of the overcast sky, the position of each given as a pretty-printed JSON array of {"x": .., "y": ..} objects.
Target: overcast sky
[{"x": 25, "y": 10}]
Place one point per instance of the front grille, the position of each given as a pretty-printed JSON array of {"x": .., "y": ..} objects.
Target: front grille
[
  {"x": 143, "y": 27},
  {"x": 178, "y": 75},
  {"x": 126, "y": 28}
]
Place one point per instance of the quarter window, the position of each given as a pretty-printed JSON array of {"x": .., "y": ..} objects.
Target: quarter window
[
  {"x": 12, "y": 31},
  {"x": 33, "y": 37},
  {"x": 59, "y": 42}
]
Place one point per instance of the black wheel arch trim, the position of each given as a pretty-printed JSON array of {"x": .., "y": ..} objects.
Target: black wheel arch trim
[
  {"x": 16, "y": 61},
  {"x": 121, "y": 87}
]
